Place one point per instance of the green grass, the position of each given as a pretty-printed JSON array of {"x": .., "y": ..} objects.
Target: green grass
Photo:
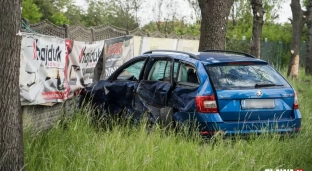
[{"x": 79, "y": 145}]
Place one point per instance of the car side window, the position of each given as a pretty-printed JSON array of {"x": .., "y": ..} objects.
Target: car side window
[
  {"x": 188, "y": 74},
  {"x": 160, "y": 71},
  {"x": 131, "y": 72}
]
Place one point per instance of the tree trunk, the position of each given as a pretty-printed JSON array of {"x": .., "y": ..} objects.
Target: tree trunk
[
  {"x": 297, "y": 22},
  {"x": 214, "y": 21},
  {"x": 11, "y": 129},
  {"x": 257, "y": 27},
  {"x": 308, "y": 65}
]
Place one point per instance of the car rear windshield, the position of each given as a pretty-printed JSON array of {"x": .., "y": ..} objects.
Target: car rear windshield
[{"x": 245, "y": 76}]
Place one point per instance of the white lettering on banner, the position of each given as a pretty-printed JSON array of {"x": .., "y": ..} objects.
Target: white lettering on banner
[{"x": 110, "y": 71}]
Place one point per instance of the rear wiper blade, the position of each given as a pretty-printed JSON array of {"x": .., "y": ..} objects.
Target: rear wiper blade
[{"x": 267, "y": 85}]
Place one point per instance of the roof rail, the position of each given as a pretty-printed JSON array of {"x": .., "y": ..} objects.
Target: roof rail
[
  {"x": 173, "y": 51},
  {"x": 233, "y": 52}
]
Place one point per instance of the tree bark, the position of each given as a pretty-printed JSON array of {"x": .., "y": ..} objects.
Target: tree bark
[
  {"x": 298, "y": 20},
  {"x": 214, "y": 21},
  {"x": 308, "y": 65},
  {"x": 257, "y": 27},
  {"x": 11, "y": 129}
]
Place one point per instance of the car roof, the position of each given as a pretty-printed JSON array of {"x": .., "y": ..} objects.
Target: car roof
[
  {"x": 209, "y": 57},
  {"x": 217, "y": 57}
]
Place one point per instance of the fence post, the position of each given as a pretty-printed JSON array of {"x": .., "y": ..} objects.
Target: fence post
[
  {"x": 102, "y": 74},
  {"x": 280, "y": 51},
  {"x": 303, "y": 54},
  {"x": 66, "y": 27},
  {"x": 92, "y": 34},
  {"x": 99, "y": 67},
  {"x": 265, "y": 57}
]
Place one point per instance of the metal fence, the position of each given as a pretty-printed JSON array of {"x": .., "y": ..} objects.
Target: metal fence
[
  {"x": 79, "y": 32},
  {"x": 276, "y": 53}
]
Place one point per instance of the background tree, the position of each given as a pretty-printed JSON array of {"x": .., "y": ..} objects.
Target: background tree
[
  {"x": 59, "y": 18},
  {"x": 308, "y": 66},
  {"x": 31, "y": 11},
  {"x": 214, "y": 21},
  {"x": 52, "y": 10},
  {"x": 96, "y": 14},
  {"x": 298, "y": 20},
  {"x": 136, "y": 6},
  {"x": 179, "y": 27},
  {"x": 46, "y": 8},
  {"x": 258, "y": 13},
  {"x": 11, "y": 129},
  {"x": 61, "y": 5},
  {"x": 74, "y": 14},
  {"x": 158, "y": 14},
  {"x": 240, "y": 20},
  {"x": 123, "y": 13},
  {"x": 240, "y": 10}
]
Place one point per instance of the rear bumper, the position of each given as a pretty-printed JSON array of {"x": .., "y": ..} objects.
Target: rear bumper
[{"x": 210, "y": 124}]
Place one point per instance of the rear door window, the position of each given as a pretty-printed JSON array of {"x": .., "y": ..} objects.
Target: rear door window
[
  {"x": 160, "y": 71},
  {"x": 187, "y": 75},
  {"x": 245, "y": 76}
]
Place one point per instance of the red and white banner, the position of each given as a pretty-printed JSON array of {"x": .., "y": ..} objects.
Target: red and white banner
[
  {"x": 42, "y": 69},
  {"x": 52, "y": 68},
  {"x": 80, "y": 62}
]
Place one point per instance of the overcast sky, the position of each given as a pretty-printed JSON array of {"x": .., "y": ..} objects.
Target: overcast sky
[
  {"x": 185, "y": 11},
  {"x": 285, "y": 13}
]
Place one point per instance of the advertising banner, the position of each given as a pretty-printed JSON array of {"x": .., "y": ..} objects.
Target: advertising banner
[
  {"x": 116, "y": 52},
  {"x": 53, "y": 68},
  {"x": 80, "y": 63},
  {"x": 42, "y": 69}
]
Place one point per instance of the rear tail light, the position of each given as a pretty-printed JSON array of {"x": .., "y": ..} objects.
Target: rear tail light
[
  {"x": 297, "y": 129},
  {"x": 296, "y": 104},
  {"x": 206, "y": 104},
  {"x": 207, "y": 133}
]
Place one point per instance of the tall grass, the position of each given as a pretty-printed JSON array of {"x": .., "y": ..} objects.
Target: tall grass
[{"x": 79, "y": 145}]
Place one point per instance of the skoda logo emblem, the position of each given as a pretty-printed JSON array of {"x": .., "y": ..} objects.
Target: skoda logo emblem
[{"x": 259, "y": 93}]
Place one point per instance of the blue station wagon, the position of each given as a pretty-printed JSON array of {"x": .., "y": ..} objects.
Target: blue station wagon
[{"x": 217, "y": 90}]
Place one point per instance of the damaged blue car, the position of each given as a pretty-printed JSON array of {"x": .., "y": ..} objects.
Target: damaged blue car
[{"x": 216, "y": 90}]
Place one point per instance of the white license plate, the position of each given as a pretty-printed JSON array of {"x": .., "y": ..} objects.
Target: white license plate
[{"x": 258, "y": 104}]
